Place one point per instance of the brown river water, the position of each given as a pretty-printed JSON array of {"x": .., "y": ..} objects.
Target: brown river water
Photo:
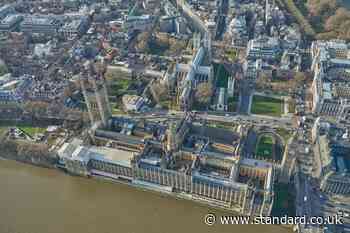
[{"x": 39, "y": 200}]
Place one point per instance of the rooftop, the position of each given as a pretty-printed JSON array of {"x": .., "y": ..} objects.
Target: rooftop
[
  {"x": 10, "y": 19},
  {"x": 215, "y": 134},
  {"x": 5, "y": 7},
  {"x": 76, "y": 151},
  {"x": 256, "y": 163},
  {"x": 39, "y": 20},
  {"x": 112, "y": 155},
  {"x": 131, "y": 99},
  {"x": 140, "y": 17},
  {"x": 73, "y": 24}
]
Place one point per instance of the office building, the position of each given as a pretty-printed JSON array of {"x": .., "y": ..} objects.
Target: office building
[
  {"x": 332, "y": 150},
  {"x": 265, "y": 48},
  {"x": 330, "y": 86},
  {"x": 10, "y": 23},
  {"x": 43, "y": 24}
]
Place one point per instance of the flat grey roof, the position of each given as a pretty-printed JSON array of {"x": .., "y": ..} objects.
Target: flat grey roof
[{"x": 112, "y": 155}]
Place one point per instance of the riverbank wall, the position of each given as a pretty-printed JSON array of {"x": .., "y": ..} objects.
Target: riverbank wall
[
  {"x": 155, "y": 189},
  {"x": 159, "y": 190},
  {"x": 39, "y": 155}
]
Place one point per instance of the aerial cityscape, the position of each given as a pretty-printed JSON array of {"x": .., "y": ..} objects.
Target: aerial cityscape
[{"x": 236, "y": 106}]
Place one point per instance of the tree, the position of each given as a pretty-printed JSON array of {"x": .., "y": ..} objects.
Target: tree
[
  {"x": 159, "y": 92},
  {"x": 36, "y": 109},
  {"x": 176, "y": 47},
  {"x": 68, "y": 91},
  {"x": 344, "y": 30},
  {"x": 8, "y": 147},
  {"x": 331, "y": 20},
  {"x": 263, "y": 81},
  {"x": 204, "y": 93},
  {"x": 32, "y": 149},
  {"x": 340, "y": 16},
  {"x": 142, "y": 41},
  {"x": 321, "y": 7}
]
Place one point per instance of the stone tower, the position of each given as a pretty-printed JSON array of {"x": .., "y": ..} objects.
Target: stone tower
[
  {"x": 207, "y": 45},
  {"x": 230, "y": 86},
  {"x": 95, "y": 95},
  {"x": 171, "y": 137},
  {"x": 196, "y": 41}
]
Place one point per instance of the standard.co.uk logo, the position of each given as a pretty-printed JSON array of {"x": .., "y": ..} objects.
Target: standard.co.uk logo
[{"x": 210, "y": 219}]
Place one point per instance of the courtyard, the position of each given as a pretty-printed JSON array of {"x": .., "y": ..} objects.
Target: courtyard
[{"x": 265, "y": 147}]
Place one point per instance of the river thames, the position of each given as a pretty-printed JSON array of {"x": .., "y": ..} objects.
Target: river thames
[{"x": 39, "y": 200}]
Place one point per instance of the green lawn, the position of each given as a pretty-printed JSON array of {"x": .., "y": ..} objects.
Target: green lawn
[
  {"x": 124, "y": 83},
  {"x": 232, "y": 103},
  {"x": 27, "y": 128},
  {"x": 265, "y": 147},
  {"x": 31, "y": 131},
  {"x": 119, "y": 87},
  {"x": 263, "y": 105},
  {"x": 231, "y": 54},
  {"x": 117, "y": 108},
  {"x": 117, "y": 111},
  {"x": 285, "y": 134},
  {"x": 221, "y": 75},
  {"x": 3, "y": 130},
  {"x": 199, "y": 106},
  {"x": 284, "y": 200}
]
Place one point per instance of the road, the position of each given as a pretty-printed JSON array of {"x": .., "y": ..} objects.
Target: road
[
  {"x": 258, "y": 120},
  {"x": 221, "y": 19},
  {"x": 245, "y": 97},
  {"x": 307, "y": 201},
  {"x": 308, "y": 198}
]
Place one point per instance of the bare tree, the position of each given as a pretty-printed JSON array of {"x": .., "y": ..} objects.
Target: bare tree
[{"x": 204, "y": 93}]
